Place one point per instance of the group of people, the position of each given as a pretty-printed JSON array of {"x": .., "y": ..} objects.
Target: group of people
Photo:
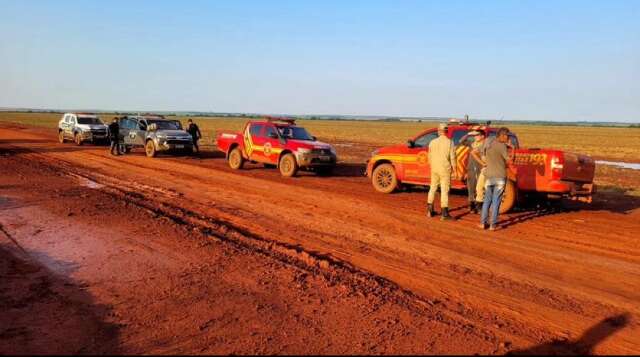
[
  {"x": 486, "y": 173},
  {"x": 114, "y": 135}
]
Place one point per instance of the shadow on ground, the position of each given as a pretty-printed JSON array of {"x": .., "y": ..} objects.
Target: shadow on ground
[
  {"x": 584, "y": 345},
  {"x": 46, "y": 314}
]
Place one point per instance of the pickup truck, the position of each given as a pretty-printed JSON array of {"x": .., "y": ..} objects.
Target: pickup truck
[
  {"x": 154, "y": 133},
  {"x": 81, "y": 128},
  {"x": 277, "y": 142},
  {"x": 548, "y": 172}
]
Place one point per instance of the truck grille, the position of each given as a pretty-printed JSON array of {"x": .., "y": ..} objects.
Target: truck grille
[
  {"x": 321, "y": 151},
  {"x": 175, "y": 141}
]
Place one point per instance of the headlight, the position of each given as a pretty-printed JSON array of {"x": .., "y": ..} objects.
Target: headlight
[
  {"x": 333, "y": 150},
  {"x": 374, "y": 153},
  {"x": 304, "y": 151}
]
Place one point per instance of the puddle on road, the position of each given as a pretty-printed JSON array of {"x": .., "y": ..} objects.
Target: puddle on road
[
  {"x": 619, "y": 164},
  {"x": 90, "y": 183}
]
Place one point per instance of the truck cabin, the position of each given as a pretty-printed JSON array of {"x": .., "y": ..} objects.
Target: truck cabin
[
  {"x": 457, "y": 132},
  {"x": 283, "y": 129},
  {"x": 154, "y": 123}
]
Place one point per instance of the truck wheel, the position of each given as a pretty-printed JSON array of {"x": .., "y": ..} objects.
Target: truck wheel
[
  {"x": 509, "y": 197},
  {"x": 384, "y": 178},
  {"x": 150, "y": 149},
  {"x": 61, "y": 139},
  {"x": 77, "y": 139},
  {"x": 288, "y": 165},
  {"x": 236, "y": 161}
]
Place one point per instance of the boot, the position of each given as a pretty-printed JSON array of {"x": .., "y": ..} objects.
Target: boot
[
  {"x": 473, "y": 208},
  {"x": 430, "y": 211},
  {"x": 445, "y": 214}
]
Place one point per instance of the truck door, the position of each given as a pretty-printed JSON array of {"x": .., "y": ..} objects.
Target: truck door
[
  {"x": 254, "y": 142},
  {"x": 418, "y": 170},
  {"x": 71, "y": 123},
  {"x": 125, "y": 125},
  {"x": 138, "y": 132},
  {"x": 273, "y": 145}
]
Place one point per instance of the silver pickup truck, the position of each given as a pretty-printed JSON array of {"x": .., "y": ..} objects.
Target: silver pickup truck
[
  {"x": 155, "y": 134},
  {"x": 81, "y": 128}
]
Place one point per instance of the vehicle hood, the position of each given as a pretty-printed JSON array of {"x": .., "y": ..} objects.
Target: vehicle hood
[
  {"x": 173, "y": 133},
  {"x": 308, "y": 144}
]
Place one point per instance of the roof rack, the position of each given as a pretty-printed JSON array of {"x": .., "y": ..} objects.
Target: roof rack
[{"x": 289, "y": 121}]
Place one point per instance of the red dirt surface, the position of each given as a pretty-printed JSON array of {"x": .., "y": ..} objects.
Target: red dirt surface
[{"x": 184, "y": 255}]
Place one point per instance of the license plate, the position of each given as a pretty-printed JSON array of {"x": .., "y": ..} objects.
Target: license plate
[
  {"x": 325, "y": 158},
  {"x": 179, "y": 146}
]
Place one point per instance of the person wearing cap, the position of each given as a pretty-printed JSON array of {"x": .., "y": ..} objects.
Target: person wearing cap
[
  {"x": 442, "y": 159},
  {"x": 474, "y": 171}
]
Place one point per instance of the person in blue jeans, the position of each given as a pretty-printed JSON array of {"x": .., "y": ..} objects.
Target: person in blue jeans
[{"x": 496, "y": 156}]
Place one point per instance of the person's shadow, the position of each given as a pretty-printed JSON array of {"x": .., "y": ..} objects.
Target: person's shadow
[{"x": 583, "y": 345}]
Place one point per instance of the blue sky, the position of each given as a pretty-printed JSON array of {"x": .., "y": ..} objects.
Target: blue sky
[{"x": 534, "y": 60}]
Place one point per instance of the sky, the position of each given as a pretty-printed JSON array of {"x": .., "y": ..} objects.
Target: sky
[{"x": 513, "y": 59}]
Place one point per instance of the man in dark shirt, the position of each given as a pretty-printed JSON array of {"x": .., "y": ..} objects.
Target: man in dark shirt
[
  {"x": 496, "y": 156},
  {"x": 114, "y": 136},
  {"x": 193, "y": 129}
]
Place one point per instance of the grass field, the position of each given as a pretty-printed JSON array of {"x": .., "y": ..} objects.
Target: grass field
[{"x": 615, "y": 144}]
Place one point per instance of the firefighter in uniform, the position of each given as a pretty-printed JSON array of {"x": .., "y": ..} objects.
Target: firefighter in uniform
[{"x": 442, "y": 159}]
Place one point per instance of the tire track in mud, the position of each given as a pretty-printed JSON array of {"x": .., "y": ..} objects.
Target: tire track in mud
[
  {"x": 457, "y": 280},
  {"x": 333, "y": 270}
]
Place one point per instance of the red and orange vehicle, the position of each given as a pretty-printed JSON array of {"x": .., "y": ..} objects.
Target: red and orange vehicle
[
  {"x": 551, "y": 172},
  {"x": 277, "y": 142}
]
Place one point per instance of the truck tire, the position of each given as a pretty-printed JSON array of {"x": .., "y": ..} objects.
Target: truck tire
[
  {"x": 288, "y": 165},
  {"x": 77, "y": 139},
  {"x": 150, "y": 149},
  {"x": 509, "y": 197},
  {"x": 236, "y": 161},
  {"x": 384, "y": 178},
  {"x": 61, "y": 138}
]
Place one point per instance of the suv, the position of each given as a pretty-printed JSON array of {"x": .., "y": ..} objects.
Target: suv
[
  {"x": 81, "y": 127},
  {"x": 154, "y": 133},
  {"x": 277, "y": 142}
]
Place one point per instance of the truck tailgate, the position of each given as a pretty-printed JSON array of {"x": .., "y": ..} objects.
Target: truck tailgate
[{"x": 578, "y": 168}]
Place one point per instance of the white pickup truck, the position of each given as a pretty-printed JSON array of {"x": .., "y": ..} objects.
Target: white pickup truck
[{"x": 82, "y": 127}]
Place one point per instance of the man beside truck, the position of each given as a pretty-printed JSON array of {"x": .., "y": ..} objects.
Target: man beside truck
[
  {"x": 442, "y": 159},
  {"x": 496, "y": 157}
]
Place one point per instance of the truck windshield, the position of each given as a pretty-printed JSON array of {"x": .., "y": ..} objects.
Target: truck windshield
[
  {"x": 166, "y": 124},
  {"x": 294, "y": 132},
  {"x": 89, "y": 120}
]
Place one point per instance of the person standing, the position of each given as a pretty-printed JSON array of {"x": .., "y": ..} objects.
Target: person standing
[
  {"x": 192, "y": 128},
  {"x": 442, "y": 159},
  {"x": 474, "y": 169},
  {"x": 114, "y": 136},
  {"x": 496, "y": 156}
]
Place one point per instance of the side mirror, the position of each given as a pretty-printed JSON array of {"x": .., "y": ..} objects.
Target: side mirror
[
  {"x": 314, "y": 138},
  {"x": 273, "y": 135},
  {"x": 411, "y": 144}
]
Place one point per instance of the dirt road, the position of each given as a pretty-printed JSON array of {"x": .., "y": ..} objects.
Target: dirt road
[{"x": 377, "y": 275}]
